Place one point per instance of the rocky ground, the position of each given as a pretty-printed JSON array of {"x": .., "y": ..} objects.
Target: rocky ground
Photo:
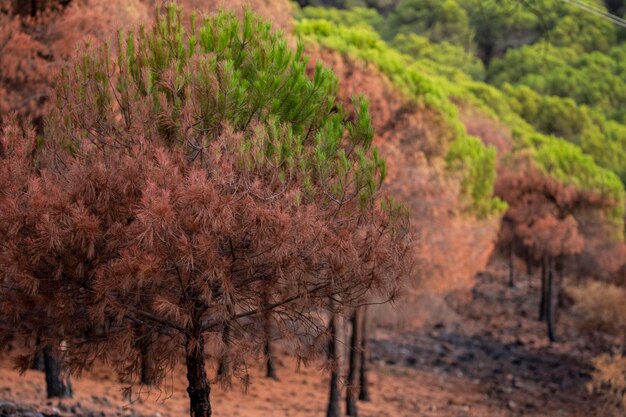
[{"x": 486, "y": 358}]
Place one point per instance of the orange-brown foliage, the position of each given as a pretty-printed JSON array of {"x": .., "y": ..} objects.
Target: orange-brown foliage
[
  {"x": 33, "y": 46},
  {"x": 451, "y": 247},
  {"x": 544, "y": 215},
  {"x": 132, "y": 215},
  {"x": 112, "y": 240},
  {"x": 490, "y": 131}
]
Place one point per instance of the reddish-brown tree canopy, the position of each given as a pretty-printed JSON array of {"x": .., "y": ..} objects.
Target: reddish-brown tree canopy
[
  {"x": 196, "y": 183},
  {"x": 543, "y": 213}
]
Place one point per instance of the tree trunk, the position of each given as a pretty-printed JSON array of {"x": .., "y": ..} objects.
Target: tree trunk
[
  {"x": 542, "y": 303},
  {"x": 199, "y": 388},
  {"x": 364, "y": 394},
  {"x": 486, "y": 50},
  {"x": 39, "y": 364},
  {"x": 223, "y": 369},
  {"x": 268, "y": 351},
  {"x": 511, "y": 267},
  {"x": 334, "y": 408},
  {"x": 147, "y": 376},
  {"x": 352, "y": 386},
  {"x": 550, "y": 301},
  {"x": 38, "y": 360},
  {"x": 57, "y": 384}
]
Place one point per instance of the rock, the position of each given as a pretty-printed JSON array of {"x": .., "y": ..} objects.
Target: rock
[
  {"x": 512, "y": 404},
  {"x": 31, "y": 414},
  {"x": 7, "y": 408}
]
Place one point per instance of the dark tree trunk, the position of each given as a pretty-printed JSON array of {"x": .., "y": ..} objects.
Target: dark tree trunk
[
  {"x": 364, "y": 394},
  {"x": 550, "y": 301},
  {"x": 147, "y": 376},
  {"x": 529, "y": 264},
  {"x": 223, "y": 369},
  {"x": 57, "y": 384},
  {"x": 544, "y": 279},
  {"x": 38, "y": 360},
  {"x": 511, "y": 267},
  {"x": 199, "y": 388},
  {"x": 486, "y": 49},
  {"x": 334, "y": 408},
  {"x": 268, "y": 351},
  {"x": 352, "y": 387}
]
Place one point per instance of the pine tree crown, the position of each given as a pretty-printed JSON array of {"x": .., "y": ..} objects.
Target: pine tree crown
[{"x": 184, "y": 87}]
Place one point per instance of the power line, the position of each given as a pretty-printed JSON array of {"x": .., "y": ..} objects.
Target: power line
[
  {"x": 597, "y": 12},
  {"x": 593, "y": 6}
]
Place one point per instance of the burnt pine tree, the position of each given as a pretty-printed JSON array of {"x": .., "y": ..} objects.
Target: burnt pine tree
[
  {"x": 178, "y": 184},
  {"x": 15, "y": 171},
  {"x": 542, "y": 221}
]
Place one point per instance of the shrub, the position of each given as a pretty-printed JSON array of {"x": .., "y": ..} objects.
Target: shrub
[
  {"x": 602, "y": 307},
  {"x": 609, "y": 379},
  {"x": 477, "y": 163},
  {"x": 436, "y": 20},
  {"x": 443, "y": 53}
]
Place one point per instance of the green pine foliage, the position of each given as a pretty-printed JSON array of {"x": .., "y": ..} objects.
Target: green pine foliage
[
  {"x": 364, "y": 43},
  {"x": 595, "y": 79},
  {"x": 442, "y": 53},
  {"x": 437, "y": 20},
  {"x": 559, "y": 86},
  {"x": 355, "y": 16},
  {"x": 477, "y": 164},
  {"x": 224, "y": 74}
]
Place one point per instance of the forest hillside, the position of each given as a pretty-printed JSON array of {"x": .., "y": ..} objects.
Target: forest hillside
[{"x": 418, "y": 189}]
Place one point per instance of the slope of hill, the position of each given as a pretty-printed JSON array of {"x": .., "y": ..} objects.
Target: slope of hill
[{"x": 577, "y": 145}]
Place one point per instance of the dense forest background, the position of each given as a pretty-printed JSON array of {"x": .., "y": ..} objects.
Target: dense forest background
[{"x": 525, "y": 102}]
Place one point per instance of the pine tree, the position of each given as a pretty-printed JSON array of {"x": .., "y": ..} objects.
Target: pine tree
[
  {"x": 194, "y": 183},
  {"x": 542, "y": 221}
]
